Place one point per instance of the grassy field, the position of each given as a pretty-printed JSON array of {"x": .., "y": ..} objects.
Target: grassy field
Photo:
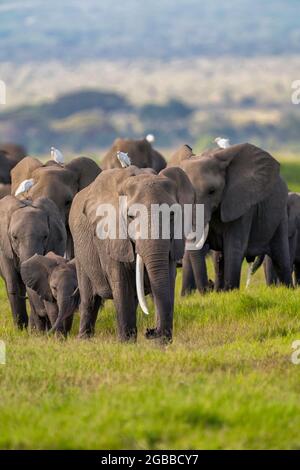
[{"x": 227, "y": 380}]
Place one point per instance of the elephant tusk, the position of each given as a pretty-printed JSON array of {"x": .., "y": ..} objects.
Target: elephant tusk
[
  {"x": 202, "y": 240},
  {"x": 139, "y": 279},
  {"x": 249, "y": 275},
  {"x": 75, "y": 291}
]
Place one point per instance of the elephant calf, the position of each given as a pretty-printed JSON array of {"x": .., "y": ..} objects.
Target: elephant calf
[
  {"x": 26, "y": 228},
  {"x": 54, "y": 281}
]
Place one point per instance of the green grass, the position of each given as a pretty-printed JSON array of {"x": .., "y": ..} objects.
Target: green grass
[{"x": 227, "y": 380}]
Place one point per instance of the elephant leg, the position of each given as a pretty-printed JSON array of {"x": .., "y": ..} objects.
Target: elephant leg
[
  {"x": 37, "y": 323},
  {"x": 297, "y": 273},
  {"x": 218, "y": 259},
  {"x": 270, "y": 273},
  {"x": 89, "y": 305},
  {"x": 68, "y": 323},
  {"x": 38, "y": 316},
  {"x": 125, "y": 301},
  {"x": 279, "y": 253},
  {"x": 188, "y": 280},
  {"x": 198, "y": 262},
  {"x": 16, "y": 292}
]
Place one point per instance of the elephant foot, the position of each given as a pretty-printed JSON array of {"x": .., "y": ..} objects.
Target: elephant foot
[
  {"x": 130, "y": 336},
  {"x": 155, "y": 333}
]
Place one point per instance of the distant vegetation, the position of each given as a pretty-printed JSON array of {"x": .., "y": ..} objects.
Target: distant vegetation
[{"x": 90, "y": 120}]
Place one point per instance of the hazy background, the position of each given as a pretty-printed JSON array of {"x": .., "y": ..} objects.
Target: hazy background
[{"x": 80, "y": 73}]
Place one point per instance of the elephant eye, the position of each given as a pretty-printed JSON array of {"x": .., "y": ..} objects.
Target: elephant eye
[
  {"x": 211, "y": 191},
  {"x": 15, "y": 237}
]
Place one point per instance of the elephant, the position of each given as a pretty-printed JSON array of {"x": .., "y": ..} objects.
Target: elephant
[
  {"x": 141, "y": 154},
  {"x": 293, "y": 210},
  {"x": 57, "y": 182},
  {"x": 10, "y": 155},
  {"x": 26, "y": 228},
  {"x": 114, "y": 268},
  {"x": 54, "y": 281},
  {"x": 245, "y": 211}
]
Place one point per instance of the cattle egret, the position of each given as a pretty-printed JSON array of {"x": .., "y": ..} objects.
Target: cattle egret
[
  {"x": 123, "y": 159},
  {"x": 150, "y": 138},
  {"x": 57, "y": 156},
  {"x": 24, "y": 186},
  {"x": 222, "y": 143}
]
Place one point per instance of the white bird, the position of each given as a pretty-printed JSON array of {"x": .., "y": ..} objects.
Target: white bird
[
  {"x": 150, "y": 138},
  {"x": 123, "y": 159},
  {"x": 222, "y": 143},
  {"x": 57, "y": 156},
  {"x": 24, "y": 186}
]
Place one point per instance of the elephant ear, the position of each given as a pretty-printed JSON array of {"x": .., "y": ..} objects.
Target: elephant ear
[
  {"x": 36, "y": 272},
  {"x": 8, "y": 205},
  {"x": 293, "y": 207},
  {"x": 86, "y": 171},
  {"x": 250, "y": 176},
  {"x": 158, "y": 161},
  {"x": 182, "y": 153},
  {"x": 107, "y": 190},
  {"x": 23, "y": 171},
  {"x": 185, "y": 195},
  {"x": 57, "y": 232}
]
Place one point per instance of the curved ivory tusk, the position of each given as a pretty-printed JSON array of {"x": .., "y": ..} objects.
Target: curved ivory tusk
[
  {"x": 75, "y": 291},
  {"x": 202, "y": 240},
  {"x": 139, "y": 279}
]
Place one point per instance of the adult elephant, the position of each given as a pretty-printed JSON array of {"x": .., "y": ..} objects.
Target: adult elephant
[
  {"x": 54, "y": 281},
  {"x": 141, "y": 154},
  {"x": 245, "y": 211},
  {"x": 293, "y": 210},
  {"x": 26, "y": 228},
  {"x": 113, "y": 268},
  {"x": 57, "y": 182}
]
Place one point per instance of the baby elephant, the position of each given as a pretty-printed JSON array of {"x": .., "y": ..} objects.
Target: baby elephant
[{"x": 54, "y": 282}]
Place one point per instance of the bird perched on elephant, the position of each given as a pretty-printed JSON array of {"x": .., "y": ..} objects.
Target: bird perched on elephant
[
  {"x": 244, "y": 201},
  {"x": 57, "y": 182},
  {"x": 293, "y": 211},
  {"x": 114, "y": 267},
  {"x": 140, "y": 152},
  {"x": 26, "y": 228},
  {"x": 54, "y": 281}
]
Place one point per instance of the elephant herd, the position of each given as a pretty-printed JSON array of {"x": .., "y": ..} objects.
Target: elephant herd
[{"x": 51, "y": 254}]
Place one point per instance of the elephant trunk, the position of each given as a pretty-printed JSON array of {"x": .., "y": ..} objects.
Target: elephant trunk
[
  {"x": 156, "y": 261},
  {"x": 66, "y": 308}
]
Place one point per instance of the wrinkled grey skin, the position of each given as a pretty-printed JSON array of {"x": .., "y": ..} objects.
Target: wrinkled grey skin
[
  {"x": 141, "y": 154},
  {"x": 26, "y": 228},
  {"x": 293, "y": 209},
  {"x": 53, "y": 279},
  {"x": 245, "y": 205},
  {"x": 56, "y": 182},
  {"x": 106, "y": 268},
  {"x": 10, "y": 155}
]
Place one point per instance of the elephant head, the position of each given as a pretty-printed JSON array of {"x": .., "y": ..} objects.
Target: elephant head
[
  {"x": 56, "y": 182},
  {"x": 140, "y": 152},
  {"x": 54, "y": 279},
  {"x": 30, "y": 227},
  {"x": 231, "y": 180},
  {"x": 155, "y": 254}
]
